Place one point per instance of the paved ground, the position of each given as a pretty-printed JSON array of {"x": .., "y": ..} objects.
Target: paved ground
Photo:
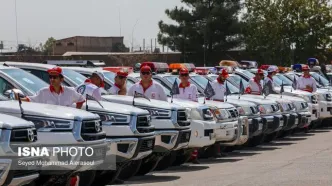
[{"x": 300, "y": 160}]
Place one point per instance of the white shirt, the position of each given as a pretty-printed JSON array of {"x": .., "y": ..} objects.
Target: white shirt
[
  {"x": 268, "y": 79},
  {"x": 302, "y": 82},
  {"x": 187, "y": 93},
  {"x": 219, "y": 89},
  {"x": 255, "y": 87},
  {"x": 67, "y": 97},
  {"x": 154, "y": 91},
  {"x": 90, "y": 89},
  {"x": 114, "y": 90}
]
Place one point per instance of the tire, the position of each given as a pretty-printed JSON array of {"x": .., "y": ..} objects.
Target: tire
[
  {"x": 146, "y": 167},
  {"x": 256, "y": 140},
  {"x": 106, "y": 178},
  {"x": 166, "y": 161},
  {"x": 229, "y": 149},
  {"x": 271, "y": 137},
  {"x": 182, "y": 158},
  {"x": 87, "y": 177},
  {"x": 130, "y": 170}
]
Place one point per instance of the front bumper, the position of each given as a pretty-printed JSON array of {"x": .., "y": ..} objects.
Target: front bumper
[
  {"x": 325, "y": 109},
  {"x": 183, "y": 139},
  {"x": 165, "y": 140},
  {"x": 226, "y": 131},
  {"x": 304, "y": 119},
  {"x": 241, "y": 132},
  {"x": 314, "y": 109},
  {"x": 274, "y": 123},
  {"x": 255, "y": 126},
  {"x": 292, "y": 121},
  {"x": 15, "y": 177},
  {"x": 202, "y": 134}
]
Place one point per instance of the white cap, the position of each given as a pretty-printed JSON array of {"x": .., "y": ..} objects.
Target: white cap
[
  {"x": 99, "y": 74},
  {"x": 272, "y": 69}
]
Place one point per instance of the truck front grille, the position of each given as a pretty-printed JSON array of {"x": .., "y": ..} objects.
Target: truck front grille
[
  {"x": 92, "y": 130},
  {"x": 254, "y": 110},
  {"x": 147, "y": 144},
  {"x": 233, "y": 113},
  {"x": 23, "y": 135},
  {"x": 275, "y": 108},
  {"x": 184, "y": 136},
  {"x": 143, "y": 124},
  {"x": 182, "y": 119}
]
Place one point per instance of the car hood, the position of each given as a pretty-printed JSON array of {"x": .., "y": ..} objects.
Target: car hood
[
  {"x": 114, "y": 108},
  {"x": 287, "y": 97},
  {"x": 289, "y": 91},
  {"x": 152, "y": 103},
  {"x": 240, "y": 102},
  {"x": 11, "y": 122},
  {"x": 45, "y": 110},
  {"x": 188, "y": 104},
  {"x": 257, "y": 99},
  {"x": 221, "y": 105}
]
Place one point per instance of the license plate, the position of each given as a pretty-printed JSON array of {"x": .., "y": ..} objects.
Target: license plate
[{"x": 260, "y": 126}]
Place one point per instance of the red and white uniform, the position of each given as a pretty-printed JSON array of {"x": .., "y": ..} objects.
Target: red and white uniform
[
  {"x": 269, "y": 79},
  {"x": 254, "y": 87},
  {"x": 220, "y": 89},
  {"x": 88, "y": 88},
  {"x": 67, "y": 97},
  {"x": 303, "y": 81},
  {"x": 153, "y": 91},
  {"x": 187, "y": 92},
  {"x": 114, "y": 90}
]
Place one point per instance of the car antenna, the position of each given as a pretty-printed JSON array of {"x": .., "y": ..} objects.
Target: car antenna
[
  {"x": 86, "y": 103},
  {"x": 20, "y": 104},
  {"x": 5, "y": 64},
  {"x": 92, "y": 98}
]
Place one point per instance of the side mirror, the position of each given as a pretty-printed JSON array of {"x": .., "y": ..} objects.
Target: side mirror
[{"x": 11, "y": 93}]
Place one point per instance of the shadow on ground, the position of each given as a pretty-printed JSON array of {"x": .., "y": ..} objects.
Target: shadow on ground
[
  {"x": 277, "y": 144},
  {"x": 151, "y": 179},
  {"x": 185, "y": 168},
  {"x": 258, "y": 148},
  {"x": 241, "y": 154},
  {"x": 219, "y": 160},
  {"x": 291, "y": 139}
]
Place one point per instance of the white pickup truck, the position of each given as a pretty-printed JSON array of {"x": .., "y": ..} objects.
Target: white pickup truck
[{"x": 15, "y": 132}]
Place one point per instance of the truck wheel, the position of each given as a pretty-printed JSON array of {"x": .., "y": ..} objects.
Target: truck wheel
[
  {"x": 130, "y": 170},
  {"x": 166, "y": 161},
  {"x": 87, "y": 177},
  {"x": 105, "y": 178},
  {"x": 271, "y": 137},
  {"x": 256, "y": 140},
  {"x": 229, "y": 149},
  {"x": 147, "y": 167},
  {"x": 182, "y": 159}
]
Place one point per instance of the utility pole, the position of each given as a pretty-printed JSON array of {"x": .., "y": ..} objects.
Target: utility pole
[
  {"x": 151, "y": 46},
  {"x": 155, "y": 43},
  {"x": 143, "y": 45}
]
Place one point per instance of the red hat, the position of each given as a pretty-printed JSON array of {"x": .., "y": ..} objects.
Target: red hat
[
  {"x": 184, "y": 71},
  {"x": 55, "y": 71},
  {"x": 122, "y": 74},
  {"x": 224, "y": 73},
  {"x": 305, "y": 67},
  {"x": 260, "y": 71},
  {"x": 146, "y": 68}
]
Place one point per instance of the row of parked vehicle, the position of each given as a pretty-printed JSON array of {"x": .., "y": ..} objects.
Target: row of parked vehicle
[{"x": 144, "y": 135}]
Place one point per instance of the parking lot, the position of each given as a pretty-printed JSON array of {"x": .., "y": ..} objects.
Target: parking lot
[{"x": 302, "y": 159}]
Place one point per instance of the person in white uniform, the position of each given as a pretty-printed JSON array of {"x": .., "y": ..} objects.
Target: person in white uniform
[
  {"x": 93, "y": 86},
  {"x": 147, "y": 86},
  {"x": 272, "y": 71},
  {"x": 119, "y": 87},
  {"x": 188, "y": 91},
  {"x": 56, "y": 94},
  {"x": 306, "y": 82},
  {"x": 255, "y": 84},
  {"x": 219, "y": 87}
]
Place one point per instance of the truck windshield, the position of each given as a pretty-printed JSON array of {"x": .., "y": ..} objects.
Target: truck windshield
[
  {"x": 25, "y": 79},
  {"x": 322, "y": 80},
  {"x": 76, "y": 77},
  {"x": 284, "y": 79},
  {"x": 110, "y": 76}
]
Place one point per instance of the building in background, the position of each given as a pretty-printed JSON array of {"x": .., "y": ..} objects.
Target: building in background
[{"x": 89, "y": 44}]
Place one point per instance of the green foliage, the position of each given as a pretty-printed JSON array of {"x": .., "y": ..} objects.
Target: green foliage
[
  {"x": 210, "y": 25},
  {"x": 48, "y": 46}
]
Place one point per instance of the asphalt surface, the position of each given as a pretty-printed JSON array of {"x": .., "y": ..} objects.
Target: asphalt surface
[{"x": 299, "y": 160}]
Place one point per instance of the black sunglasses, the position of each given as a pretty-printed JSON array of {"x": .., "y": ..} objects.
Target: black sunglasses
[
  {"x": 184, "y": 75},
  {"x": 145, "y": 73},
  {"x": 53, "y": 77}
]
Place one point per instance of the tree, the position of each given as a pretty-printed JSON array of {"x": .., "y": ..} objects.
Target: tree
[
  {"x": 119, "y": 47},
  {"x": 210, "y": 25},
  {"x": 282, "y": 31},
  {"x": 48, "y": 46}
]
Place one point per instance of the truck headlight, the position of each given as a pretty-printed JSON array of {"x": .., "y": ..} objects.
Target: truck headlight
[
  {"x": 207, "y": 114},
  {"x": 328, "y": 97},
  {"x": 188, "y": 113},
  {"x": 159, "y": 114},
  {"x": 314, "y": 99},
  {"x": 265, "y": 109},
  {"x": 244, "y": 111},
  {"x": 114, "y": 119},
  {"x": 222, "y": 114},
  {"x": 241, "y": 111},
  {"x": 283, "y": 107},
  {"x": 49, "y": 124}
]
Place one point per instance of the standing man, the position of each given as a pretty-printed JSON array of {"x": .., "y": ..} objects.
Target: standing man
[
  {"x": 56, "y": 94},
  {"x": 147, "y": 87},
  {"x": 119, "y": 87},
  {"x": 218, "y": 86},
  {"x": 306, "y": 82},
  {"x": 92, "y": 86},
  {"x": 187, "y": 91},
  {"x": 272, "y": 71},
  {"x": 255, "y": 84}
]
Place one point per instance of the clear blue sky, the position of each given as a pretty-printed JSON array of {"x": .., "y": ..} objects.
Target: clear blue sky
[{"x": 40, "y": 19}]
